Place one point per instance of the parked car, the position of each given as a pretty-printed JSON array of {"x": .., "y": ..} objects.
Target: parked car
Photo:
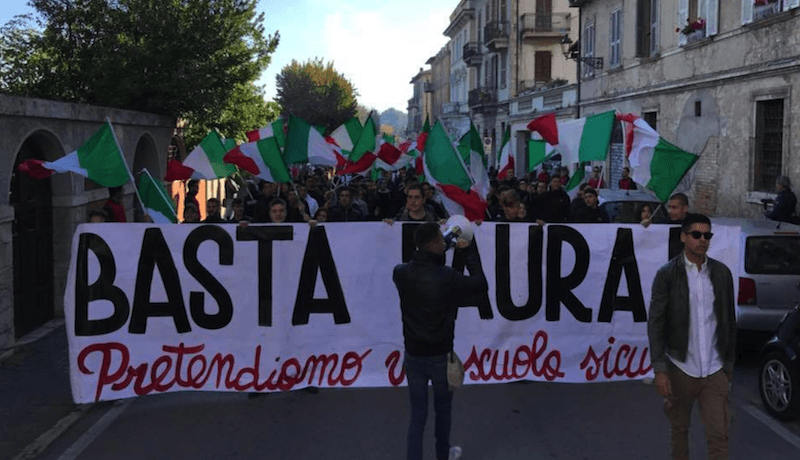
[
  {"x": 769, "y": 272},
  {"x": 623, "y": 206},
  {"x": 779, "y": 369}
]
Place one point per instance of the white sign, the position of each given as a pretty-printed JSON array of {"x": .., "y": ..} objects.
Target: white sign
[{"x": 160, "y": 308}]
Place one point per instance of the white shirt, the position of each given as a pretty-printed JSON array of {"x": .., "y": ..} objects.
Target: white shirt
[
  {"x": 702, "y": 358},
  {"x": 313, "y": 206}
]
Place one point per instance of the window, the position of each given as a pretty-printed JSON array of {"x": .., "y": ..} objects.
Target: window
[
  {"x": 752, "y": 12},
  {"x": 616, "y": 34},
  {"x": 503, "y": 70},
  {"x": 772, "y": 255},
  {"x": 768, "y": 162},
  {"x": 480, "y": 28},
  {"x": 543, "y": 66},
  {"x": 646, "y": 27},
  {"x": 588, "y": 48},
  {"x": 503, "y": 10},
  {"x": 652, "y": 119}
]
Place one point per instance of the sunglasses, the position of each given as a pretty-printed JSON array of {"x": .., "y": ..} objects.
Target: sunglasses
[{"x": 697, "y": 235}]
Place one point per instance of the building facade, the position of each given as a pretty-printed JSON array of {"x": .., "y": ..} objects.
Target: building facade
[
  {"x": 505, "y": 66},
  {"x": 717, "y": 78}
]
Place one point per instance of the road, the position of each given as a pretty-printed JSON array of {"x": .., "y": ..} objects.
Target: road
[{"x": 503, "y": 421}]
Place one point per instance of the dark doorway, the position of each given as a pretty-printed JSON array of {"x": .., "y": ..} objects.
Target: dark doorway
[{"x": 33, "y": 245}]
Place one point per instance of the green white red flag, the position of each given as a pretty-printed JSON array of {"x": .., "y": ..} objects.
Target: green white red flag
[
  {"x": 276, "y": 129},
  {"x": 262, "y": 159},
  {"x": 471, "y": 149},
  {"x": 157, "y": 203},
  {"x": 305, "y": 144},
  {"x": 98, "y": 159},
  {"x": 364, "y": 151},
  {"x": 578, "y": 141},
  {"x": 204, "y": 162},
  {"x": 506, "y": 161},
  {"x": 655, "y": 163},
  {"x": 346, "y": 135},
  {"x": 445, "y": 170}
]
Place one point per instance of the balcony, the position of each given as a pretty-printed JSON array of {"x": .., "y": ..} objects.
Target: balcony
[
  {"x": 428, "y": 87},
  {"x": 545, "y": 26},
  {"x": 496, "y": 34},
  {"x": 455, "y": 108},
  {"x": 463, "y": 14},
  {"x": 472, "y": 54},
  {"x": 482, "y": 99},
  {"x": 413, "y": 104}
]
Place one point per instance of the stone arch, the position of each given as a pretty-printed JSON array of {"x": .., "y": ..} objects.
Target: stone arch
[{"x": 33, "y": 233}]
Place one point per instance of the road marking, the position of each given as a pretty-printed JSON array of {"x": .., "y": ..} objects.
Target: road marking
[
  {"x": 41, "y": 443},
  {"x": 773, "y": 425},
  {"x": 92, "y": 433}
]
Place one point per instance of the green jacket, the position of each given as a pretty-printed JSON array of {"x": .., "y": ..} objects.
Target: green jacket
[{"x": 668, "y": 319}]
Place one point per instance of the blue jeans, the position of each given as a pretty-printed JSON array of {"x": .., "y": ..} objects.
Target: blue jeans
[{"x": 419, "y": 370}]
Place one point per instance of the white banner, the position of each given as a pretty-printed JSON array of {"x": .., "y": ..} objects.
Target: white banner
[{"x": 159, "y": 308}]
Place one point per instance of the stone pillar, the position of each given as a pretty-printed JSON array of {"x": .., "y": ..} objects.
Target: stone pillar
[{"x": 6, "y": 278}]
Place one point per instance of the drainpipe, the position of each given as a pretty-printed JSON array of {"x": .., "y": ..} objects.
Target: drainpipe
[{"x": 578, "y": 64}]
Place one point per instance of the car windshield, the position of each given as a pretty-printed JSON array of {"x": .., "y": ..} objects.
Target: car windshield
[{"x": 774, "y": 255}]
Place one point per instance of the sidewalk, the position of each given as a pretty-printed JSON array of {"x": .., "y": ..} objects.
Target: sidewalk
[{"x": 34, "y": 390}]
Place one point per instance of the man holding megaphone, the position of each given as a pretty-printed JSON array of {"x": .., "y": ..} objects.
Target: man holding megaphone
[{"x": 430, "y": 294}]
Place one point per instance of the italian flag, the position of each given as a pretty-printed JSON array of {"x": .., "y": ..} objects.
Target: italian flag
[
  {"x": 204, "y": 162},
  {"x": 347, "y": 135},
  {"x": 506, "y": 162},
  {"x": 262, "y": 159},
  {"x": 157, "y": 203},
  {"x": 362, "y": 156},
  {"x": 655, "y": 163},
  {"x": 471, "y": 149},
  {"x": 276, "y": 129},
  {"x": 305, "y": 144},
  {"x": 98, "y": 159},
  {"x": 579, "y": 141},
  {"x": 539, "y": 151},
  {"x": 445, "y": 170}
]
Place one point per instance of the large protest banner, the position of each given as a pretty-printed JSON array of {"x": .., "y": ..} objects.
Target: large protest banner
[{"x": 159, "y": 308}]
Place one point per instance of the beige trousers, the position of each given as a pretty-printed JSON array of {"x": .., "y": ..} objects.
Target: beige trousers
[{"x": 712, "y": 393}]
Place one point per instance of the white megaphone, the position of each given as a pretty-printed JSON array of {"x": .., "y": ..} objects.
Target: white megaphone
[{"x": 457, "y": 227}]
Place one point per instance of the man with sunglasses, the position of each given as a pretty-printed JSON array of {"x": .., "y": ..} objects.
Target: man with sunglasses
[{"x": 692, "y": 332}]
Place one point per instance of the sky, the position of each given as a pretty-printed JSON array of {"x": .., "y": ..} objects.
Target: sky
[{"x": 378, "y": 45}]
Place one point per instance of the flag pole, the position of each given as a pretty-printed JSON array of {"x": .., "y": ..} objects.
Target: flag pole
[
  {"x": 130, "y": 174},
  {"x": 160, "y": 192}
]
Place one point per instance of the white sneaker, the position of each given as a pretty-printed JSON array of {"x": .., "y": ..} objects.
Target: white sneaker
[{"x": 455, "y": 453}]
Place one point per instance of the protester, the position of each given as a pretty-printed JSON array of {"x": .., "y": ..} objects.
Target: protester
[
  {"x": 783, "y": 208},
  {"x": 430, "y": 294},
  {"x": 238, "y": 212},
  {"x": 414, "y": 210},
  {"x": 556, "y": 203},
  {"x": 626, "y": 183},
  {"x": 596, "y": 181},
  {"x": 591, "y": 213},
  {"x": 114, "y": 207},
  {"x": 277, "y": 211},
  {"x": 692, "y": 331},
  {"x": 513, "y": 208},
  {"x": 98, "y": 216},
  {"x": 191, "y": 215},
  {"x": 212, "y": 212},
  {"x": 192, "y": 189},
  {"x": 344, "y": 211},
  {"x": 677, "y": 208},
  {"x": 645, "y": 213}
]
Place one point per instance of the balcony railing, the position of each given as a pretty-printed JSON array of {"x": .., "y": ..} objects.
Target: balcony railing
[
  {"x": 496, "y": 33},
  {"x": 472, "y": 54},
  {"x": 536, "y": 25},
  {"x": 480, "y": 97},
  {"x": 428, "y": 87}
]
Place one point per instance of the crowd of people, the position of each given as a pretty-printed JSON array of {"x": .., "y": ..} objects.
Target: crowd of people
[{"x": 319, "y": 196}]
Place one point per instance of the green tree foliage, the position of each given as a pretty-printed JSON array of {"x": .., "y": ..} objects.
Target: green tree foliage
[
  {"x": 317, "y": 93},
  {"x": 188, "y": 59}
]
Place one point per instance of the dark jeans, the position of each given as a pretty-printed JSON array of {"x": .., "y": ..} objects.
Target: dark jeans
[{"x": 419, "y": 370}]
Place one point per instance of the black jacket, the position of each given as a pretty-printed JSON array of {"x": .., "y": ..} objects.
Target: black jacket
[
  {"x": 556, "y": 206},
  {"x": 783, "y": 208},
  {"x": 430, "y": 294}
]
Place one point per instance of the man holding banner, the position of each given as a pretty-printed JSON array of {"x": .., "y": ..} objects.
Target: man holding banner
[
  {"x": 430, "y": 294},
  {"x": 692, "y": 332}
]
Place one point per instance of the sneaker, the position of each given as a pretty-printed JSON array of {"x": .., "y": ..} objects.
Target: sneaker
[{"x": 455, "y": 453}]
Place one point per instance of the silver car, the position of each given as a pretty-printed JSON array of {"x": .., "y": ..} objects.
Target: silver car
[{"x": 769, "y": 272}]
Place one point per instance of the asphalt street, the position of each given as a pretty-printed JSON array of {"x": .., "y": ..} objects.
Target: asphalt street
[{"x": 521, "y": 420}]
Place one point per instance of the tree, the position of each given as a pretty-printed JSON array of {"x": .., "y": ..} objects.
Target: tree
[
  {"x": 188, "y": 59},
  {"x": 317, "y": 93}
]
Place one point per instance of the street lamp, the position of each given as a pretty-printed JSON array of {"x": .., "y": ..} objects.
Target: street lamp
[{"x": 572, "y": 51}]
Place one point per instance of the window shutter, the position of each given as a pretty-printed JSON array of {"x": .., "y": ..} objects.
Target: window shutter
[
  {"x": 789, "y": 4},
  {"x": 683, "y": 16},
  {"x": 747, "y": 11},
  {"x": 655, "y": 16},
  {"x": 712, "y": 17}
]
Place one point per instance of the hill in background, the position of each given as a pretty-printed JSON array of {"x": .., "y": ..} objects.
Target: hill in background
[{"x": 396, "y": 119}]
